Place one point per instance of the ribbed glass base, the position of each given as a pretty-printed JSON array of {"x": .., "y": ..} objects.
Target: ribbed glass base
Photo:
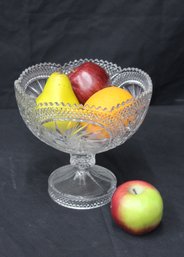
[{"x": 78, "y": 188}]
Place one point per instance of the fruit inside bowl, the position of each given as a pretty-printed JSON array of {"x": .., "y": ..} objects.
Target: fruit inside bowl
[{"x": 56, "y": 114}]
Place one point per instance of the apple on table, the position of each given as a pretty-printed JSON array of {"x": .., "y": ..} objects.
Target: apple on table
[{"x": 137, "y": 207}]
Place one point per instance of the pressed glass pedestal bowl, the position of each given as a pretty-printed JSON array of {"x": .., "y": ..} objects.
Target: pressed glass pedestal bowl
[{"x": 88, "y": 130}]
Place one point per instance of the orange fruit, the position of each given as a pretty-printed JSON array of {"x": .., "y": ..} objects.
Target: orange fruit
[{"x": 107, "y": 98}]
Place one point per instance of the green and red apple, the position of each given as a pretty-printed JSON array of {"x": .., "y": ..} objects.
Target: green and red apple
[{"x": 137, "y": 207}]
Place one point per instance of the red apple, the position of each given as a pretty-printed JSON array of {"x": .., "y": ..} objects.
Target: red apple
[
  {"x": 137, "y": 207},
  {"x": 87, "y": 79}
]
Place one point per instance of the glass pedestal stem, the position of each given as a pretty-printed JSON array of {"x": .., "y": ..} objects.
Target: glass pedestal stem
[
  {"x": 82, "y": 162},
  {"x": 82, "y": 184}
]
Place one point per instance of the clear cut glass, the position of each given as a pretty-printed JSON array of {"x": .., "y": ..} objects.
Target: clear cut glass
[{"x": 87, "y": 130}]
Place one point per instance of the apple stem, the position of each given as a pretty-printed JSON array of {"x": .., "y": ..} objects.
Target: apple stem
[{"x": 134, "y": 191}]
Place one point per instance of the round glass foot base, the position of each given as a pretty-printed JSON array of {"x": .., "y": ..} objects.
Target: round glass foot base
[{"x": 81, "y": 189}]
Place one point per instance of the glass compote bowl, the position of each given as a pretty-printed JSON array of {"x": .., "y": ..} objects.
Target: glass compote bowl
[{"x": 88, "y": 130}]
